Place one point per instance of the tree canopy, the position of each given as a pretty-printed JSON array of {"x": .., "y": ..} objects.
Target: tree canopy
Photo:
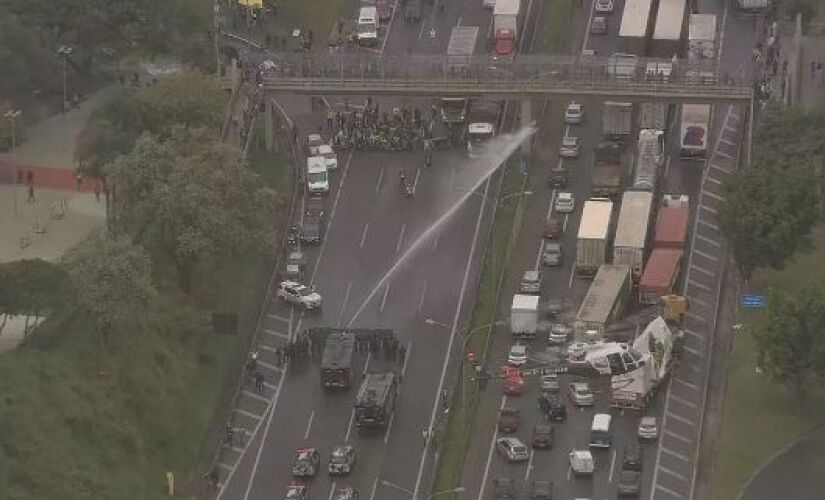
[
  {"x": 31, "y": 286},
  {"x": 791, "y": 342},
  {"x": 190, "y": 198}
]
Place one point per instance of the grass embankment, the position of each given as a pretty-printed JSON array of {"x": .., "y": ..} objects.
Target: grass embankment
[
  {"x": 761, "y": 417},
  {"x": 78, "y": 421},
  {"x": 320, "y": 17},
  {"x": 504, "y": 233},
  {"x": 557, "y": 26}
]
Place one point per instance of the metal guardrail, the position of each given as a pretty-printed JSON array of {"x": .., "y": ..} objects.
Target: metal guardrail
[{"x": 527, "y": 76}]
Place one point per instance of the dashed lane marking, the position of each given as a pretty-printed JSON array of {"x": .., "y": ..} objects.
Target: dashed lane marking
[
  {"x": 669, "y": 491},
  {"x": 668, "y": 451},
  {"x": 680, "y": 418},
  {"x": 709, "y": 209},
  {"x": 702, "y": 270},
  {"x": 719, "y": 168},
  {"x": 683, "y": 401},
  {"x": 706, "y": 255},
  {"x": 380, "y": 178},
  {"x": 713, "y": 195},
  {"x": 709, "y": 241},
  {"x": 400, "y": 238},
  {"x": 255, "y": 395},
  {"x": 686, "y": 383},
  {"x": 276, "y": 317},
  {"x": 677, "y": 436},
  {"x": 695, "y": 317},
  {"x": 248, "y": 414},
  {"x": 672, "y": 473},
  {"x": 274, "y": 333},
  {"x": 699, "y": 285},
  {"x": 708, "y": 224}
]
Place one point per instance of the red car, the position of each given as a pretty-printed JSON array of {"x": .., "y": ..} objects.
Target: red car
[
  {"x": 509, "y": 420},
  {"x": 513, "y": 383}
]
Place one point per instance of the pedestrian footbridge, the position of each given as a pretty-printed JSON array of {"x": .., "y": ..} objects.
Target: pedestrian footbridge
[{"x": 619, "y": 78}]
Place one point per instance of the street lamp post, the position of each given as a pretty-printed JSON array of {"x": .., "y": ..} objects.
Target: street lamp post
[
  {"x": 12, "y": 116},
  {"x": 65, "y": 51},
  {"x": 412, "y": 494}
]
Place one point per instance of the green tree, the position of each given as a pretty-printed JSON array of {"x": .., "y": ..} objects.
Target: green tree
[
  {"x": 791, "y": 342},
  {"x": 31, "y": 286},
  {"x": 111, "y": 278},
  {"x": 191, "y": 199},
  {"x": 768, "y": 215}
]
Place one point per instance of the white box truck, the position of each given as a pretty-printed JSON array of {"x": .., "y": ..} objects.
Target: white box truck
[
  {"x": 505, "y": 26},
  {"x": 631, "y": 230},
  {"x": 368, "y": 26},
  {"x": 461, "y": 47},
  {"x": 524, "y": 316},
  {"x": 693, "y": 131},
  {"x": 617, "y": 119},
  {"x": 594, "y": 228}
]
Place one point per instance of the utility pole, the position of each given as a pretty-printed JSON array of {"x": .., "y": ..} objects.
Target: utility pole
[
  {"x": 12, "y": 116},
  {"x": 65, "y": 51}
]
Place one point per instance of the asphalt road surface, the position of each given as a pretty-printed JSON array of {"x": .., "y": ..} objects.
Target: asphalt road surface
[{"x": 370, "y": 225}]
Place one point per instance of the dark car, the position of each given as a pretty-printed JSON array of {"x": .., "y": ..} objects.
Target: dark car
[
  {"x": 311, "y": 230},
  {"x": 629, "y": 481},
  {"x": 559, "y": 177},
  {"x": 509, "y": 420},
  {"x": 556, "y": 307},
  {"x": 553, "y": 407},
  {"x": 541, "y": 490},
  {"x": 543, "y": 436},
  {"x": 632, "y": 459},
  {"x": 412, "y": 12},
  {"x": 598, "y": 26},
  {"x": 505, "y": 488}
]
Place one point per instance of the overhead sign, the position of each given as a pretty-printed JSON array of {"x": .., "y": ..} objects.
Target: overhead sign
[{"x": 752, "y": 300}]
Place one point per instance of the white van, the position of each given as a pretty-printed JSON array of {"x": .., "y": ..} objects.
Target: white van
[
  {"x": 368, "y": 26},
  {"x": 326, "y": 151},
  {"x": 600, "y": 436},
  {"x": 317, "y": 178}
]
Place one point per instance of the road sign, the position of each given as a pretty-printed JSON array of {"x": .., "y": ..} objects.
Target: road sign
[{"x": 752, "y": 300}]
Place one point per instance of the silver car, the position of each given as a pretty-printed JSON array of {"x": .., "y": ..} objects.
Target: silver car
[
  {"x": 531, "y": 283},
  {"x": 569, "y": 146},
  {"x": 512, "y": 449},
  {"x": 604, "y": 6},
  {"x": 648, "y": 428},
  {"x": 580, "y": 394},
  {"x": 550, "y": 383},
  {"x": 559, "y": 333},
  {"x": 551, "y": 255}
]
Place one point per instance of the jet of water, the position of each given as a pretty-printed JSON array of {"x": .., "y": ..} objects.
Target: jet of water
[{"x": 496, "y": 153}]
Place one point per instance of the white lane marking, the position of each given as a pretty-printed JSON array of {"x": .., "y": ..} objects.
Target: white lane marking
[
  {"x": 380, "y": 178},
  {"x": 349, "y": 426},
  {"x": 400, "y": 238},
  {"x": 612, "y": 465},
  {"x": 706, "y": 255},
  {"x": 667, "y": 165},
  {"x": 723, "y": 154},
  {"x": 686, "y": 383},
  {"x": 344, "y": 305},
  {"x": 708, "y": 240},
  {"x": 722, "y": 36},
  {"x": 423, "y": 295},
  {"x": 668, "y": 490},
  {"x": 458, "y": 23},
  {"x": 225, "y": 466},
  {"x": 672, "y": 453},
  {"x": 269, "y": 366},
  {"x": 276, "y": 398},
  {"x": 375, "y": 482},
  {"x": 709, "y": 209},
  {"x": 384, "y": 297},
  {"x": 708, "y": 224},
  {"x": 435, "y": 241},
  {"x": 449, "y": 349},
  {"x": 331, "y": 490},
  {"x": 529, "y": 465},
  {"x": 538, "y": 255},
  {"x": 695, "y": 317},
  {"x": 389, "y": 28},
  {"x": 389, "y": 428},
  {"x": 309, "y": 425},
  {"x": 715, "y": 180},
  {"x": 572, "y": 273},
  {"x": 276, "y": 317},
  {"x": 698, "y": 301},
  {"x": 406, "y": 359},
  {"x": 255, "y": 395},
  {"x": 274, "y": 333},
  {"x": 267, "y": 348},
  {"x": 415, "y": 182},
  {"x": 487, "y": 465},
  {"x": 699, "y": 285},
  {"x": 702, "y": 270},
  {"x": 249, "y": 414},
  {"x": 678, "y": 436},
  {"x": 694, "y": 334},
  {"x": 364, "y": 235},
  {"x": 587, "y": 28},
  {"x": 680, "y": 418},
  {"x": 713, "y": 195},
  {"x": 367, "y": 364},
  {"x": 682, "y": 401},
  {"x": 420, "y": 34},
  {"x": 721, "y": 169}
]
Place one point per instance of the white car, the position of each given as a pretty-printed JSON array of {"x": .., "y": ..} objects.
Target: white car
[
  {"x": 574, "y": 113},
  {"x": 648, "y": 428},
  {"x": 325, "y": 150},
  {"x": 298, "y": 294},
  {"x": 580, "y": 394},
  {"x": 313, "y": 142},
  {"x": 517, "y": 356},
  {"x": 604, "y": 6},
  {"x": 559, "y": 333},
  {"x": 513, "y": 449},
  {"x": 565, "y": 203},
  {"x": 570, "y": 147}
]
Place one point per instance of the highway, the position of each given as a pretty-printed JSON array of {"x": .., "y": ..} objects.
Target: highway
[
  {"x": 669, "y": 467},
  {"x": 370, "y": 225}
]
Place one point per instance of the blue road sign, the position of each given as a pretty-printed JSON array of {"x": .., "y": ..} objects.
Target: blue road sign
[{"x": 752, "y": 300}]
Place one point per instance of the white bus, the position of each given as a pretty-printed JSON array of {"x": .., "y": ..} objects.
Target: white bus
[{"x": 600, "y": 436}]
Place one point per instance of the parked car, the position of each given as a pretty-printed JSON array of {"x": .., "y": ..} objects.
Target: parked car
[
  {"x": 531, "y": 283},
  {"x": 559, "y": 177},
  {"x": 648, "y": 428},
  {"x": 517, "y": 355},
  {"x": 553, "y": 407},
  {"x": 549, "y": 383},
  {"x": 509, "y": 419},
  {"x": 569, "y": 146},
  {"x": 604, "y": 6},
  {"x": 574, "y": 113},
  {"x": 543, "y": 436},
  {"x": 580, "y": 394},
  {"x": 551, "y": 255},
  {"x": 598, "y": 26},
  {"x": 565, "y": 203},
  {"x": 512, "y": 449},
  {"x": 559, "y": 333},
  {"x": 541, "y": 490},
  {"x": 505, "y": 488}
]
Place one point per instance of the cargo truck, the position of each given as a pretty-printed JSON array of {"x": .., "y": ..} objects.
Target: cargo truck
[
  {"x": 672, "y": 223},
  {"x": 606, "y": 176},
  {"x": 482, "y": 122},
  {"x": 368, "y": 26},
  {"x": 524, "y": 316},
  {"x": 635, "y": 389},
  {"x": 660, "y": 275},
  {"x": 338, "y": 361},
  {"x": 605, "y": 302},
  {"x": 461, "y": 47},
  {"x": 631, "y": 231},
  {"x": 702, "y": 37},
  {"x": 649, "y": 157},
  {"x": 617, "y": 120},
  {"x": 753, "y": 5},
  {"x": 693, "y": 131},
  {"x": 594, "y": 229},
  {"x": 505, "y": 26}
]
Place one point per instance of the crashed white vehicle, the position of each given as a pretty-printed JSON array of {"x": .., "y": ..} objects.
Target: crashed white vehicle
[{"x": 300, "y": 295}]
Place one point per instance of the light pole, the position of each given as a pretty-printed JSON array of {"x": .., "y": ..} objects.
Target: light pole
[
  {"x": 12, "y": 116},
  {"x": 65, "y": 51},
  {"x": 412, "y": 494}
]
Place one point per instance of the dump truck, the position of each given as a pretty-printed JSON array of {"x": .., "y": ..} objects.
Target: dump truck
[
  {"x": 505, "y": 27},
  {"x": 693, "y": 131},
  {"x": 634, "y": 389},
  {"x": 594, "y": 229},
  {"x": 607, "y": 174},
  {"x": 524, "y": 316},
  {"x": 617, "y": 120},
  {"x": 631, "y": 230},
  {"x": 605, "y": 302}
]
